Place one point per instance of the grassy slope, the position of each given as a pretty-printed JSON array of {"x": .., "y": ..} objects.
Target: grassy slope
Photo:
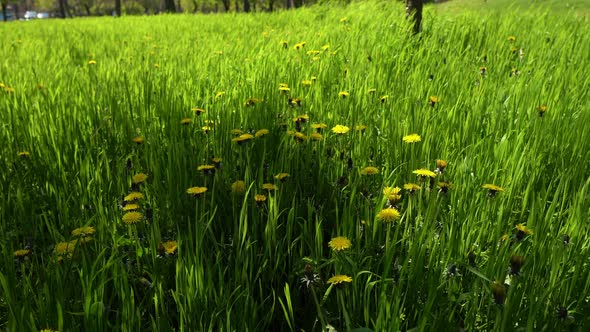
[
  {"x": 571, "y": 7},
  {"x": 234, "y": 259}
]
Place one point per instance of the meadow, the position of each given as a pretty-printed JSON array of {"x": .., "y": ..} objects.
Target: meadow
[{"x": 307, "y": 170}]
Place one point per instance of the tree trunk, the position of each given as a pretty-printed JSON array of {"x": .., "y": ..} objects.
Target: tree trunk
[
  {"x": 225, "y": 5},
  {"x": 62, "y": 8},
  {"x": 4, "y": 11},
  {"x": 414, "y": 11},
  {"x": 270, "y": 5},
  {"x": 118, "y": 7},
  {"x": 170, "y": 6},
  {"x": 246, "y": 6}
]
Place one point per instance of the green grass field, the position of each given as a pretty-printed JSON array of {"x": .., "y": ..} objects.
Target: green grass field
[{"x": 110, "y": 125}]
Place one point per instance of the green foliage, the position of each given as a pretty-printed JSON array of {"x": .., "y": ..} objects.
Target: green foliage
[{"x": 510, "y": 111}]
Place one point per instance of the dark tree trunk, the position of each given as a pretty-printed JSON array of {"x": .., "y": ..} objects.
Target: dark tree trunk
[
  {"x": 4, "y": 11},
  {"x": 226, "y": 5},
  {"x": 414, "y": 11},
  {"x": 118, "y": 7},
  {"x": 289, "y": 4},
  {"x": 270, "y": 5},
  {"x": 87, "y": 9},
  {"x": 62, "y": 8},
  {"x": 170, "y": 6},
  {"x": 246, "y": 6}
]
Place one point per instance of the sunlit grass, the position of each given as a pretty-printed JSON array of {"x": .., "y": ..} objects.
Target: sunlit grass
[{"x": 336, "y": 170}]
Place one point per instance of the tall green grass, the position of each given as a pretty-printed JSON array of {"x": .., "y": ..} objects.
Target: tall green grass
[{"x": 76, "y": 92}]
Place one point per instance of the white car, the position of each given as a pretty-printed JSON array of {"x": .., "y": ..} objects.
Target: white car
[
  {"x": 42, "y": 15},
  {"x": 30, "y": 15}
]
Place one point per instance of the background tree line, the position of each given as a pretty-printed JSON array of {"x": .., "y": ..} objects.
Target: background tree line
[{"x": 74, "y": 8}]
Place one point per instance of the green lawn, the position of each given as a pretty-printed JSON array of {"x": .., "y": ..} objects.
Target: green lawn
[
  {"x": 294, "y": 171},
  {"x": 571, "y": 7}
]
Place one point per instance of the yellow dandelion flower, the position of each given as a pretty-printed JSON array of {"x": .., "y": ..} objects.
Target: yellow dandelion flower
[
  {"x": 300, "y": 137},
  {"x": 339, "y": 129},
  {"x": 493, "y": 188},
  {"x": 411, "y": 187},
  {"x": 511, "y": 38},
  {"x": 344, "y": 19},
  {"x": 138, "y": 140},
  {"x": 260, "y": 198},
  {"x": 306, "y": 82},
  {"x": 134, "y": 196},
  {"x": 284, "y": 89},
  {"x": 186, "y": 121},
  {"x": 131, "y": 207},
  {"x": 295, "y": 102},
  {"x": 392, "y": 193},
  {"x": 424, "y": 173},
  {"x": 282, "y": 176},
  {"x": 316, "y": 136},
  {"x": 326, "y": 47},
  {"x": 24, "y": 154},
  {"x": 205, "y": 168},
  {"x": 525, "y": 230},
  {"x": 139, "y": 178},
  {"x": 388, "y": 215},
  {"x": 542, "y": 109},
  {"x": 444, "y": 186},
  {"x": 412, "y": 138},
  {"x": 299, "y": 46},
  {"x": 252, "y": 102},
  {"x": 340, "y": 243},
  {"x": 236, "y": 132},
  {"x": 156, "y": 65},
  {"x": 169, "y": 247},
  {"x": 319, "y": 126},
  {"x": 441, "y": 165},
  {"x": 47, "y": 330},
  {"x": 92, "y": 62},
  {"x": 217, "y": 161},
  {"x": 219, "y": 94},
  {"x": 196, "y": 191},
  {"x": 432, "y": 100},
  {"x": 262, "y": 132},
  {"x": 269, "y": 187},
  {"x": 22, "y": 253},
  {"x": 301, "y": 118},
  {"x": 369, "y": 170},
  {"x": 360, "y": 128},
  {"x": 66, "y": 249},
  {"x": 383, "y": 99},
  {"x": 84, "y": 231},
  {"x": 243, "y": 138},
  {"x": 339, "y": 279},
  {"x": 343, "y": 94},
  {"x": 371, "y": 91},
  {"x": 132, "y": 217},
  {"x": 238, "y": 187},
  {"x": 206, "y": 129},
  {"x": 198, "y": 111}
]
